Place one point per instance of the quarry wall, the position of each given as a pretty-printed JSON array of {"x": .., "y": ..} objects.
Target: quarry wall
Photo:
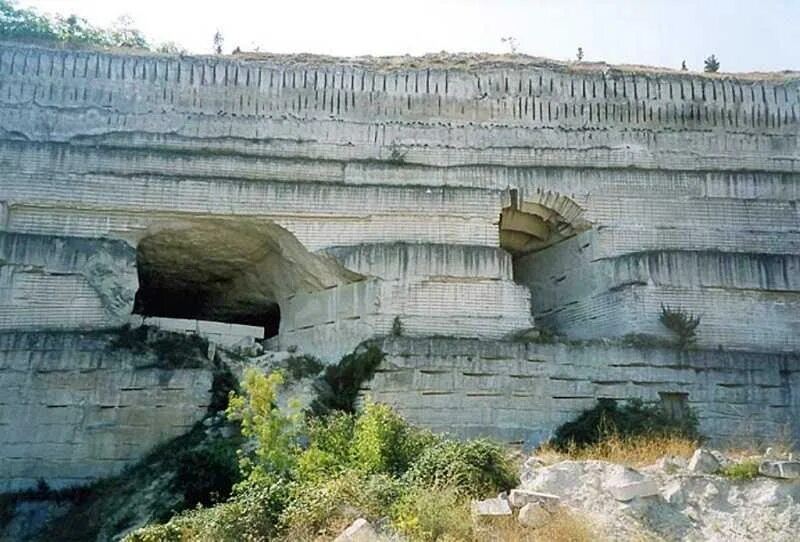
[
  {"x": 521, "y": 392},
  {"x": 74, "y": 408},
  {"x": 346, "y": 194},
  {"x": 377, "y": 151}
]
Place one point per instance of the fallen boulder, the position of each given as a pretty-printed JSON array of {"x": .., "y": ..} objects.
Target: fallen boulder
[
  {"x": 520, "y": 497},
  {"x": 534, "y": 515},
  {"x": 780, "y": 469},
  {"x": 490, "y": 508},
  {"x": 359, "y": 531},
  {"x": 627, "y": 492},
  {"x": 703, "y": 462}
]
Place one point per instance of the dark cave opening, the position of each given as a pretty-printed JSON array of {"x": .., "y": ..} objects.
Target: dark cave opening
[{"x": 169, "y": 295}]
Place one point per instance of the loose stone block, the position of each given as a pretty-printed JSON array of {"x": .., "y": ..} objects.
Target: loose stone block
[
  {"x": 490, "y": 508},
  {"x": 780, "y": 469},
  {"x": 520, "y": 497},
  {"x": 703, "y": 462},
  {"x": 627, "y": 492}
]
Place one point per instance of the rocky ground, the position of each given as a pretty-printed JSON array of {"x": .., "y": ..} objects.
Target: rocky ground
[{"x": 674, "y": 499}]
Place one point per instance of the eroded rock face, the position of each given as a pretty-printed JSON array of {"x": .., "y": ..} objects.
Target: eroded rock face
[{"x": 54, "y": 282}]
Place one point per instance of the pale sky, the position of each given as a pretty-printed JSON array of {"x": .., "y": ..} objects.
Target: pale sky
[{"x": 755, "y": 35}]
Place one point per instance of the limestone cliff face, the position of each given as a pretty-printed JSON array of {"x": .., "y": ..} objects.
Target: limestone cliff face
[
  {"x": 52, "y": 282},
  {"x": 75, "y": 408},
  {"x": 467, "y": 196},
  {"x": 350, "y": 152}
]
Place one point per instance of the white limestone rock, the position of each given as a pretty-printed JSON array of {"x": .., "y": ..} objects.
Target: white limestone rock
[
  {"x": 703, "y": 462},
  {"x": 518, "y": 498},
  {"x": 490, "y": 508},
  {"x": 670, "y": 464},
  {"x": 359, "y": 531},
  {"x": 780, "y": 469},
  {"x": 627, "y": 492}
]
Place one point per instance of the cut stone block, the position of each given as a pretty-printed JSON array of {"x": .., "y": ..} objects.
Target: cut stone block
[
  {"x": 703, "y": 462},
  {"x": 780, "y": 469},
  {"x": 627, "y": 492},
  {"x": 520, "y": 497},
  {"x": 491, "y": 508}
]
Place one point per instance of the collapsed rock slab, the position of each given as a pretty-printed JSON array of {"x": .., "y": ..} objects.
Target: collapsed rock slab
[
  {"x": 534, "y": 515},
  {"x": 359, "y": 531},
  {"x": 703, "y": 462},
  {"x": 627, "y": 492},
  {"x": 670, "y": 464},
  {"x": 518, "y": 498},
  {"x": 780, "y": 469},
  {"x": 490, "y": 508}
]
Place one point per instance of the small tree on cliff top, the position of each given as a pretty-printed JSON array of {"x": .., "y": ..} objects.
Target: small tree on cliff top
[{"x": 711, "y": 64}]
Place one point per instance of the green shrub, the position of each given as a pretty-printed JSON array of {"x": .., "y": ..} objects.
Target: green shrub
[
  {"x": 205, "y": 475},
  {"x": 682, "y": 324},
  {"x": 746, "y": 470},
  {"x": 330, "y": 439},
  {"x": 275, "y": 433},
  {"x": 341, "y": 383},
  {"x": 383, "y": 442},
  {"x": 397, "y": 327},
  {"x": 475, "y": 468},
  {"x": 173, "y": 350},
  {"x": 27, "y": 25},
  {"x": 252, "y": 514},
  {"x": 304, "y": 366},
  {"x": 322, "y": 508},
  {"x": 634, "y": 418},
  {"x": 223, "y": 385},
  {"x": 427, "y": 516}
]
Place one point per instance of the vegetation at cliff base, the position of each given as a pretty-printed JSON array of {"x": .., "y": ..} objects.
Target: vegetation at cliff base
[
  {"x": 306, "y": 476},
  {"x": 632, "y": 433}
]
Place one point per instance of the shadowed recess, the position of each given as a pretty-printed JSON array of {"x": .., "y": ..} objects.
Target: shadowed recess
[{"x": 237, "y": 271}]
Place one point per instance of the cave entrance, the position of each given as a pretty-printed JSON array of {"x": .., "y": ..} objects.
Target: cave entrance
[{"x": 227, "y": 270}]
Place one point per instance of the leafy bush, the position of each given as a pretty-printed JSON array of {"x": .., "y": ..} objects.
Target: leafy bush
[
  {"x": 342, "y": 382},
  {"x": 304, "y": 366},
  {"x": 397, "y": 327},
  {"x": 173, "y": 350},
  {"x": 425, "y": 515},
  {"x": 328, "y": 453},
  {"x": 323, "y": 508},
  {"x": 383, "y": 442},
  {"x": 275, "y": 433},
  {"x": 631, "y": 419},
  {"x": 205, "y": 475},
  {"x": 682, "y": 324},
  {"x": 251, "y": 514},
  {"x": 746, "y": 470},
  {"x": 224, "y": 384},
  {"x": 474, "y": 468}
]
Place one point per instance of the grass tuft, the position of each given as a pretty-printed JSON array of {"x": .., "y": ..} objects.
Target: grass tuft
[
  {"x": 634, "y": 451},
  {"x": 746, "y": 470}
]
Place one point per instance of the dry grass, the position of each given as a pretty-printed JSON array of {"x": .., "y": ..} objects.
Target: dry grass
[
  {"x": 632, "y": 451},
  {"x": 564, "y": 526}
]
